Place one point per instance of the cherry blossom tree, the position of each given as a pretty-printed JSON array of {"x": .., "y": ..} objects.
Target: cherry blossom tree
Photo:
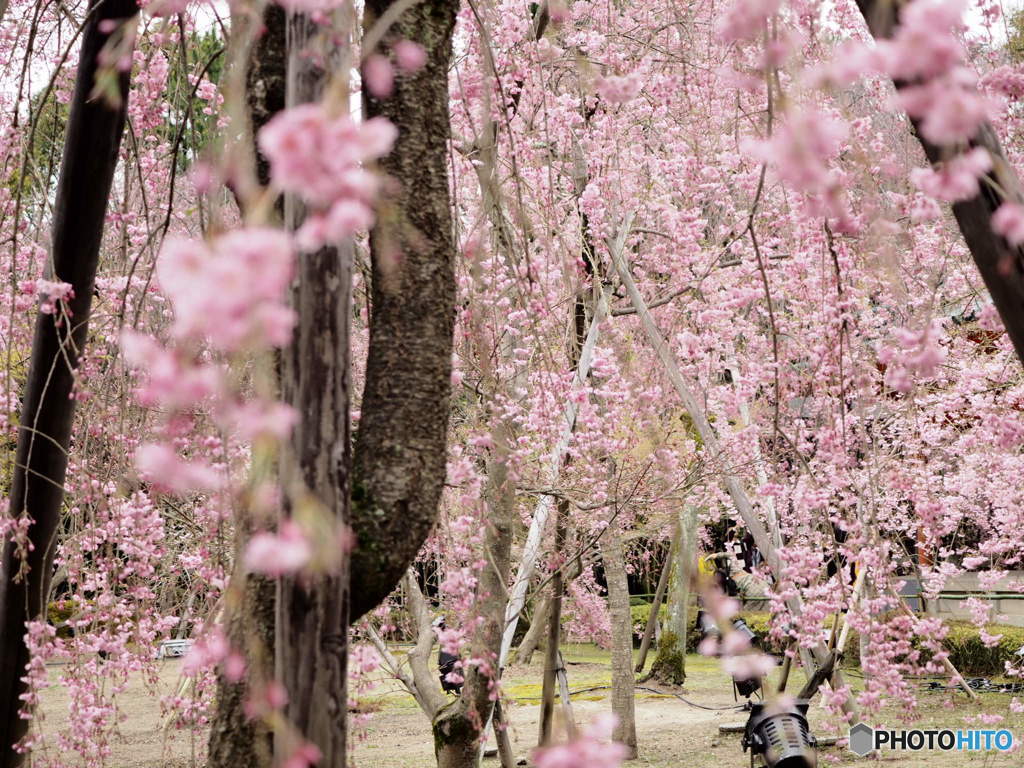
[{"x": 568, "y": 271}]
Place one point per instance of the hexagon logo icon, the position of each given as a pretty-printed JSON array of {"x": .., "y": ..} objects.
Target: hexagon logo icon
[{"x": 862, "y": 739}]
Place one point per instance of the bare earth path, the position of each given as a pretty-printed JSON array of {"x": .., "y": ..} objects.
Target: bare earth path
[{"x": 671, "y": 733}]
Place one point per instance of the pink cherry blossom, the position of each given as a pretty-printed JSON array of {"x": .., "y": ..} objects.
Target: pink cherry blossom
[
  {"x": 160, "y": 464},
  {"x": 229, "y": 293},
  {"x": 745, "y": 18},
  {"x": 409, "y": 56},
  {"x": 207, "y": 651},
  {"x": 341, "y": 221},
  {"x": 53, "y": 293},
  {"x": 591, "y": 749},
  {"x": 618, "y": 89},
  {"x": 307, "y": 754},
  {"x": 1008, "y": 221},
  {"x": 275, "y": 554},
  {"x": 378, "y": 75},
  {"x": 950, "y": 108},
  {"x": 748, "y": 665},
  {"x": 312, "y": 154},
  {"x": 168, "y": 380},
  {"x": 259, "y": 418},
  {"x": 957, "y": 179},
  {"x": 925, "y": 44}
]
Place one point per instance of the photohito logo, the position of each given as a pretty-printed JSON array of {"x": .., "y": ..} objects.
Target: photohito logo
[{"x": 865, "y": 739}]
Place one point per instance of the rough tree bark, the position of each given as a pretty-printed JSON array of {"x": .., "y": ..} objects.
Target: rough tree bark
[
  {"x": 311, "y": 631},
  {"x": 1000, "y": 264},
  {"x": 399, "y": 464},
  {"x": 554, "y": 626},
  {"x": 266, "y": 76},
  {"x": 94, "y": 130},
  {"x": 670, "y": 665},
  {"x": 235, "y": 738},
  {"x": 613, "y": 556}
]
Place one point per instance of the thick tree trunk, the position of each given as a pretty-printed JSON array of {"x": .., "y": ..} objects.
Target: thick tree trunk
[
  {"x": 623, "y": 683},
  {"x": 94, "y": 130},
  {"x": 311, "y": 632},
  {"x": 266, "y": 76},
  {"x": 670, "y": 665},
  {"x": 1000, "y": 264},
  {"x": 235, "y": 738},
  {"x": 554, "y": 624},
  {"x": 400, "y": 454}
]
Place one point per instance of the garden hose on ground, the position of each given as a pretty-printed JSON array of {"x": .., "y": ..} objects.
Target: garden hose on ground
[{"x": 644, "y": 688}]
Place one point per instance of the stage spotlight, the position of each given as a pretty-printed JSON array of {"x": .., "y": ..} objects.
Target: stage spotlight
[
  {"x": 741, "y": 626},
  {"x": 782, "y": 739},
  {"x": 706, "y": 625},
  {"x": 749, "y": 686},
  {"x": 446, "y": 663}
]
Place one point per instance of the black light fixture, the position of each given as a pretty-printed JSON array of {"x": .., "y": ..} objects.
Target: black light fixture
[
  {"x": 748, "y": 686},
  {"x": 706, "y": 625},
  {"x": 780, "y": 738},
  {"x": 741, "y": 626},
  {"x": 446, "y": 664},
  {"x": 708, "y": 628}
]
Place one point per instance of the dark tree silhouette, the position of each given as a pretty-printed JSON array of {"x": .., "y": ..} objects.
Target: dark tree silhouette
[
  {"x": 1001, "y": 265},
  {"x": 93, "y": 139}
]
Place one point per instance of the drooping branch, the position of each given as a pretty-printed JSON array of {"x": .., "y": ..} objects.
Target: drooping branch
[
  {"x": 1001, "y": 265},
  {"x": 531, "y": 549},
  {"x": 421, "y": 680},
  {"x": 733, "y": 485},
  {"x": 399, "y": 460},
  {"x": 92, "y": 144},
  {"x": 235, "y": 737}
]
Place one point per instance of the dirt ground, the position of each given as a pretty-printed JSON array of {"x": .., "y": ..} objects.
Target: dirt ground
[
  {"x": 143, "y": 739},
  {"x": 671, "y": 733}
]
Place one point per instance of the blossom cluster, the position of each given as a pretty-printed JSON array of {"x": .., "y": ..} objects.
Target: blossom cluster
[{"x": 323, "y": 159}]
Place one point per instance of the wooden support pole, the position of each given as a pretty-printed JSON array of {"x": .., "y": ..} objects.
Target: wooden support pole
[
  {"x": 531, "y": 549},
  {"x": 505, "y": 754},
  {"x": 659, "y": 596},
  {"x": 563, "y": 690},
  {"x": 91, "y": 149},
  {"x": 954, "y": 673}
]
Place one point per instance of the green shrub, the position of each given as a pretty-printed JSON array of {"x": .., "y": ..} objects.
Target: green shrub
[
  {"x": 963, "y": 642},
  {"x": 638, "y": 613},
  {"x": 966, "y": 650},
  {"x": 758, "y": 621},
  {"x": 58, "y": 612},
  {"x": 971, "y": 657}
]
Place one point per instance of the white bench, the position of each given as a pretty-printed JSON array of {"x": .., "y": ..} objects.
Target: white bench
[{"x": 173, "y": 649}]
